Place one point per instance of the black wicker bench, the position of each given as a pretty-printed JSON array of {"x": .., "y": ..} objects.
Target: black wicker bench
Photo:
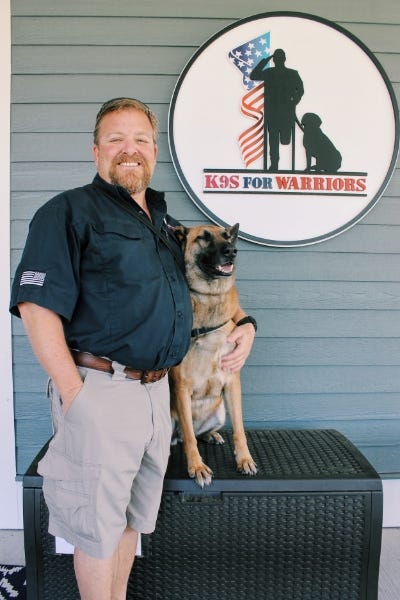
[{"x": 306, "y": 527}]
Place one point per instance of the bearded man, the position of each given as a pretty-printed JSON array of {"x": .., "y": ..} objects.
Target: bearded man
[{"x": 107, "y": 309}]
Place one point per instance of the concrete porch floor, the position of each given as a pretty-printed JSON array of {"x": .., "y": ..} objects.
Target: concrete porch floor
[{"x": 12, "y": 553}]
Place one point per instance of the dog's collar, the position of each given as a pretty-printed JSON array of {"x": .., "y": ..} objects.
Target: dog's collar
[{"x": 204, "y": 330}]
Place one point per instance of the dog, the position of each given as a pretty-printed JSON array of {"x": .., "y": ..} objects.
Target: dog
[
  {"x": 318, "y": 145},
  {"x": 198, "y": 384}
]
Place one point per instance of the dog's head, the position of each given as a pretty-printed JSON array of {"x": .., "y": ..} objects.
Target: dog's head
[
  {"x": 311, "y": 121},
  {"x": 210, "y": 251}
]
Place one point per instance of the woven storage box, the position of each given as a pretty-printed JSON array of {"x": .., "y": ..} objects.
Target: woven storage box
[{"x": 306, "y": 527}]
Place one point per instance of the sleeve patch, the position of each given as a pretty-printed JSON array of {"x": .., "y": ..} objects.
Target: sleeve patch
[{"x": 32, "y": 278}]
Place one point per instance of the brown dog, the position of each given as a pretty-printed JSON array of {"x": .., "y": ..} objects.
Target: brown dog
[{"x": 198, "y": 384}]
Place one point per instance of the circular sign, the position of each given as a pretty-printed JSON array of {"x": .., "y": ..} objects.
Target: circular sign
[{"x": 285, "y": 123}]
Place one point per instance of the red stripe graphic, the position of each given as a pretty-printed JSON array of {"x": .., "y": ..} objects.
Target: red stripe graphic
[{"x": 251, "y": 140}]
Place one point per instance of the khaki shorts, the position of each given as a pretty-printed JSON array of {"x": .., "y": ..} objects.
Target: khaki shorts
[{"x": 105, "y": 465}]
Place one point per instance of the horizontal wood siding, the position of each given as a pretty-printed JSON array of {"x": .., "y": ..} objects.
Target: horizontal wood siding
[{"x": 327, "y": 353}]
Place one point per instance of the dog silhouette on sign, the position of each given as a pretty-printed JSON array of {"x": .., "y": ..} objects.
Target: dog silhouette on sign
[{"x": 317, "y": 145}]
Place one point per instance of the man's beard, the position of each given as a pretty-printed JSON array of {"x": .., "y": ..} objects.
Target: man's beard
[{"x": 133, "y": 182}]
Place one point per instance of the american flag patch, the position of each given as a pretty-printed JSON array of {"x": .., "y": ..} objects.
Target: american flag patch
[{"x": 32, "y": 278}]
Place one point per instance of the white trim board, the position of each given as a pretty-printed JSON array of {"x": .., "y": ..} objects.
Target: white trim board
[
  {"x": 11, "y": 501},
  {"x": 391, "y": 502}
]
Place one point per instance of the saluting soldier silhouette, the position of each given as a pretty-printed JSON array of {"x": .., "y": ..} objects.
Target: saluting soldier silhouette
[{"x": 283, "y": 90}]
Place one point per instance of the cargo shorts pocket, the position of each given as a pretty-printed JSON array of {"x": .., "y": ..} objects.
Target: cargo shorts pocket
[{"x": 69, "y": 489}]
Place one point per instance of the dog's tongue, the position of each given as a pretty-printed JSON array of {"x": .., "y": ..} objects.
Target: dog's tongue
[{"x": 226, "y": 268}]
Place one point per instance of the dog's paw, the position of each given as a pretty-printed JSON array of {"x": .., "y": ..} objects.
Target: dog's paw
[
  {"x": 247, "y": 466},
  {"x": 202, "y": 474},
  {"x": 213, "y": 438}
]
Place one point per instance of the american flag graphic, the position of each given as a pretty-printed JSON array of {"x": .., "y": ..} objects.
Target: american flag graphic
[
  {"x": 245, "y": 58},
  {"x": 32, "y": 278}
]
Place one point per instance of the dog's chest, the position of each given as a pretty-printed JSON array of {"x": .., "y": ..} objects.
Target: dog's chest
[
  {"x": 203, "y": 364},
  {"x": 209, "y": 348}
]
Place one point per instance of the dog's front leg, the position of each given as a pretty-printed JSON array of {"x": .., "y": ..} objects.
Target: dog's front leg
[
  {"x": 197, "y": 469},
  {"x": 182, "y": 406},
  {"x": 309, "y": 161},
  {"x": 233, "y": 395}
]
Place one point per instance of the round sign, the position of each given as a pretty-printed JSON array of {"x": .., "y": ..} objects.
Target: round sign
[{"x": 285, "y": 123}]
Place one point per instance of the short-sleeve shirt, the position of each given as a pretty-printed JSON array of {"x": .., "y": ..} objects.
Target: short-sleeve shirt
[{"x": 117, "y": 287}]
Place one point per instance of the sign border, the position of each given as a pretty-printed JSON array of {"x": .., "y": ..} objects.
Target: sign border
[{"x": 206, "y": 210}]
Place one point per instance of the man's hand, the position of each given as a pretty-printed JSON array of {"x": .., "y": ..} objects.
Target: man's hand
[
  {"x": 68, "y": 397},
  {"x": 46, "y": 335},
  {"x": 243, "y": 337}
]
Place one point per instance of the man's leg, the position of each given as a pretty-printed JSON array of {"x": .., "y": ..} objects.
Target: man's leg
[
  {"x": 106, "y": 578},
  {"x": 273, "y": 147},
  {"x": 123, "y": 561}
]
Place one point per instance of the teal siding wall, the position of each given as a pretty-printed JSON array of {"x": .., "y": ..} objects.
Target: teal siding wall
[{"x": 327, "y": 353}]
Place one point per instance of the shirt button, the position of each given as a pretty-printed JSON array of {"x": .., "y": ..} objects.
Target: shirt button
[
  {"x": 173, "y": 354},
  {"x": 180, "y": 313}
]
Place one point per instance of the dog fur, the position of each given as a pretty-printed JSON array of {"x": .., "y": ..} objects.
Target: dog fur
[{"x": 198, "y": 384}]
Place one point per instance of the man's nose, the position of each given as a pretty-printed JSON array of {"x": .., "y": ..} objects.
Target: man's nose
[{"x": 130, "y": 146}]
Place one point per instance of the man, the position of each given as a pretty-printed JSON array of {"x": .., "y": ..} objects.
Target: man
[
  {"x": 98, "y": 290},
  {"x": 283, "y": 90}
]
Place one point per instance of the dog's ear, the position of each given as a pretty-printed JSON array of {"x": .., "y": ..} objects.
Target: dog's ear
[
  {"x": 181, "y": 233},
  {"x": 233, "y": 232}
]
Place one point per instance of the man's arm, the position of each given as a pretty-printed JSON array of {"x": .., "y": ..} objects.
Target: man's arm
[
  {"x": 46, "y": 335},
  {"x": 257, "y": 73},
  {"x": 243, "y": 336}
]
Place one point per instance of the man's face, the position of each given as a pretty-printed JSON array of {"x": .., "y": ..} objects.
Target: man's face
[{"x": 125, "y": 153}]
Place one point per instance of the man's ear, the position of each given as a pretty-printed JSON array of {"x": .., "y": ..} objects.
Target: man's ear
[{"x": 95, "y": 151}]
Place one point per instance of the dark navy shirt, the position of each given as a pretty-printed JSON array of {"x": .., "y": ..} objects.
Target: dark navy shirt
[{"x": 117, "y": 287}]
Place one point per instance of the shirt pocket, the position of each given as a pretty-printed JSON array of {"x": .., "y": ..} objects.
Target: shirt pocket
[{"x": 126, "y": 253}]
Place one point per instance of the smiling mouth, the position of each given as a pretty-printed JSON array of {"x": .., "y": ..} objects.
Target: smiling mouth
[
  {"x": 129, "y": 164},
  {"x": 127, "y": 161},
  {"x": 224, "y": 270}
]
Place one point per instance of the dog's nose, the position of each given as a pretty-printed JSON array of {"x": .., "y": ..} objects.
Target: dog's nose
[{"x": 228, "y": 251}]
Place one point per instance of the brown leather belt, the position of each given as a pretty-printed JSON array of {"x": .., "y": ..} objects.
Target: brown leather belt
[{"x": 84, "y": 359}]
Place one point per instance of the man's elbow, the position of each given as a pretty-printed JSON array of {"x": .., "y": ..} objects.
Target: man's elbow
[{"x": 29, "y": 310}]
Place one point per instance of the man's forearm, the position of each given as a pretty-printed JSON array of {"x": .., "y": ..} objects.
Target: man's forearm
[{"x": 46, "y": 335}]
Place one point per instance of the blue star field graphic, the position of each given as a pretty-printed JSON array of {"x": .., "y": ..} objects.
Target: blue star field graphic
[{"x": 246, "y": 56}]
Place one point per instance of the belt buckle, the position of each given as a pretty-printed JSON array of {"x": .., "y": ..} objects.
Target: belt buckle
[
  {"x": 145, "y": 378},
  {"x": 156, "y": 375}
]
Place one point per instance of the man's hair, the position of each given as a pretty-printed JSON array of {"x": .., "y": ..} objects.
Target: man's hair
[{"x": 120, "y": 104}]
